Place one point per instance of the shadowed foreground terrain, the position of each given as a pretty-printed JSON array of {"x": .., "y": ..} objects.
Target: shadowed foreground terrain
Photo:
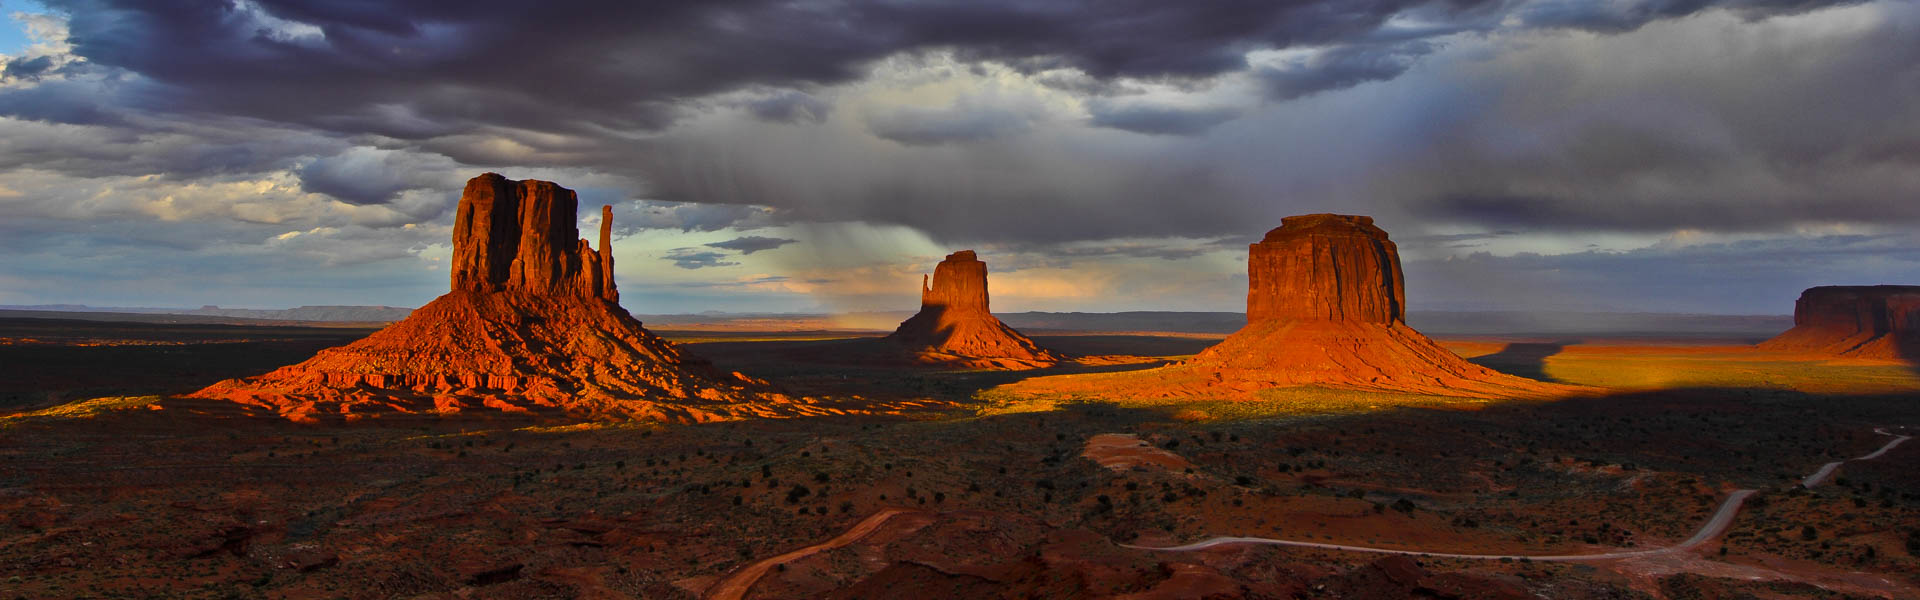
[{"x": 985, "y": 492}]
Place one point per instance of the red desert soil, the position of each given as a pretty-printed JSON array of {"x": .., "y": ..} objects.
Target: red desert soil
[
  {"x": 735, "y": 586},
  {"x": 954, "y": 325},
  {"x": 1123, "y": 451},
  {"x": 532, "y": 325},
  {"x": 1325, "y": 307},
  {"x": 1681, "y": 557},
  {"x": 1879, "y": 322}
]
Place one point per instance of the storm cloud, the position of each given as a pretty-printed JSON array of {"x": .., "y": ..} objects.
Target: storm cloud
[{"x": 1082, "y": 130}]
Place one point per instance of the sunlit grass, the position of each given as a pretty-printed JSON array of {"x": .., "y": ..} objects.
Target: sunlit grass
[
  {"x": 1617, "y": 368},
  {"x": 1666, "y": 370},
  {"x": 82, "y": 409}
]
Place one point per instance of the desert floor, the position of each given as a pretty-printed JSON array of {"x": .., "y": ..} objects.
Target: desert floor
[{"x": 107, "y": 491}]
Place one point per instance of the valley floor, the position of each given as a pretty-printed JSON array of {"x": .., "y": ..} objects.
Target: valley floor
[{"x": 985, "y": 493}]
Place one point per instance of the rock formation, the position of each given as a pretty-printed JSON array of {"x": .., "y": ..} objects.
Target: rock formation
[
  {"x": 955, "y": 326},
  {"x": 1325, "y": 307},
  {"x": 532, "y": 324},
  {"x": 1878, "y": 321}
]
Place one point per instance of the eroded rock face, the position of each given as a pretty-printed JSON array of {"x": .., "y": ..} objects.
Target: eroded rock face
[
  {"x": 532, "y": 325},
  {"x": 1325, "y": 307},
  {"x": 521, "y": 236},
  {"x": 955, "y": 325},
  {"x": 1325, "y": 267},
  {"x": 1878, "y": 321}
]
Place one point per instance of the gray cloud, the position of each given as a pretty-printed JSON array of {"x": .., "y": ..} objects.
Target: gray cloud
[
  {"x": 26, "y": 68},
  {"x": 695, "y": 258},
  {"x": 923, "y": 126},
  {"x": 790, "y": 106},
  {"x": 1156, "y": 119},
  {"x": 372, "y": 176},
  {"x": 751, "y": 244},
  {"x": 703, "y": 116},
  {"x": 1340, "y": 68}
]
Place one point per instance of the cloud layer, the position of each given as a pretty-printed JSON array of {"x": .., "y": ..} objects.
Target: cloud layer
[{"x": 237, "y": 135}]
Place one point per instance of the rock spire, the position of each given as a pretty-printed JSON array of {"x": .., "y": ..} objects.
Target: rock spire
[{"x": 955, "y": 325}]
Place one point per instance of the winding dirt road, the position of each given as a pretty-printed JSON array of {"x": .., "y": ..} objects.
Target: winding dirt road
[
  {"x": 735, "y": 586},
  {"x": 1715, "y": 525}
]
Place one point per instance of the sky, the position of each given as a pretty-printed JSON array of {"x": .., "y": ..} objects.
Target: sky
[{"x": 1101, "y": 155}]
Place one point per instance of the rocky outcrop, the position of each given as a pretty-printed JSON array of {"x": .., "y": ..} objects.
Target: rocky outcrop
[
  {"x": 954, "y": 324},
  {"x": 532, "y": 324},
  {"x": 521, "y": 236},
  {"x": 1326, "y": 308},
  {"x": 1878, "y": 322},
  {"x": 1325, "y": 268}
]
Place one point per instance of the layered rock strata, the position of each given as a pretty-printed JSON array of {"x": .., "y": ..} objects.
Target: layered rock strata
[{"x": 1878, "y": 322}]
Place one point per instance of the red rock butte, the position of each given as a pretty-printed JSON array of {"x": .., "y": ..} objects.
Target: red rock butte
[
  {"x": 954, "y": 324},
  {"x": 1868, "y": 321},
  {"x": 532, "y": 324},
  {"x": 1325, "y": 307}
]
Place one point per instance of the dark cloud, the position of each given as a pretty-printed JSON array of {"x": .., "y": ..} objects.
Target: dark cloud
[
  {"x": 1340, "y": 68},
  {"x": 689, "y": 216},
  {"x": 790, "y": 106},
  {"x": 1158, "y": 120},
  {"x": 695, "y": 258},
  {"x": 964, "y": 122},
  {"x": 1613, "y": 17},
  {"x": 371, "y": 176},
  {"x": 722, "y": 114},
  {"x": 751, "y": 244},
  {"x": 418, "y": 70},
  {"x": 591, "y": 66},
  {"x": 26, "y": 68}
]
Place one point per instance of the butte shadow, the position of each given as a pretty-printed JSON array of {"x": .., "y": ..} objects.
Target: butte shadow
[
  {"x": 532, "y": 325},
  {"x": 1326, "y": 307}
]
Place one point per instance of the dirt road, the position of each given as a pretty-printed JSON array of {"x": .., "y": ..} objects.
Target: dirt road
[
  {"x": 735, "y": 586},
  {"x": 1715, "y": 525}
]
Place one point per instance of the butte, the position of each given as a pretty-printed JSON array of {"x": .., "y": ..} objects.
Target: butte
[
  {"x": 1867, "y": 321},
  {"x": 954, "y": 325},
  {"x": 533, "y": 324},
  {"x": 1326, "y": 307}
]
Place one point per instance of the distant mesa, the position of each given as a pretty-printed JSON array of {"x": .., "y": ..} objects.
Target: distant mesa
[
  {"x": 532, "y": 325},
  {"x": 1866, "y": 321},
  {"x": 1326, "y": 306},
  {"x": 954, "y": 325}
]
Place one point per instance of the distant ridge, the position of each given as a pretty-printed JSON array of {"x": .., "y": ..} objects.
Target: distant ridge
[
  {"x": 1446, "y": 323},
  {"x": 354, "y": 314}
]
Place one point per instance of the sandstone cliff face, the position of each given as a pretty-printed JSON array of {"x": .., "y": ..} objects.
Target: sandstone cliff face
[
  {"x": 1325, "y": 307},
  {"x": 521, "y": 236},
  {"x": 955, "y": 326},
  {"x": 532, "y": 325},
  {"x": 1880, "y": 322},
  {"x": 1328, "y": 268}
]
